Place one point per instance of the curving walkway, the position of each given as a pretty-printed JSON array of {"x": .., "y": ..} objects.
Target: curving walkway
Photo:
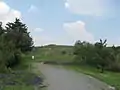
[{"x": 60, "y": 78}]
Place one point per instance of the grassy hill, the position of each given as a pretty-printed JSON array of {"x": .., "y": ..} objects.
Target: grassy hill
[{"x": 53, "y": 53}]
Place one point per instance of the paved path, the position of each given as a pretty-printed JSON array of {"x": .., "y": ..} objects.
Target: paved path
[{"x": 60, "y": 78}]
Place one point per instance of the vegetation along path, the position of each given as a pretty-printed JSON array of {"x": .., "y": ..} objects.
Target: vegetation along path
[{"x": 60, "y": 78}]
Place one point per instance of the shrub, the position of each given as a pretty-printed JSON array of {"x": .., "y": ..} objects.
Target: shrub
[{"x": 64, "y": 52}]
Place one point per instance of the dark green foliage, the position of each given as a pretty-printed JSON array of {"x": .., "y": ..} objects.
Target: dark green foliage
[
  {"x": 17, "y": 32},
  {"x": 14, "y": 40},
  {"x": 64, "y": 52},
  {"x": 1, "y": 29},
  {"x": 98, "y": 55}
]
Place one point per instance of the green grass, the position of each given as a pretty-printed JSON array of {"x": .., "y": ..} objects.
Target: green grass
[
  {"x": 53, "y": 53},
  {"x": 22, "y": 78},
  {"x": 19, "y": 88},
  {"x": 22, "y": 88},
  {"x": 110, "y": 78}
]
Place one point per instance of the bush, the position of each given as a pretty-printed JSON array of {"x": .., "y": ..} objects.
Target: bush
[
  {"x": 115, "y": 67},
  {"x": 64, "y": 52},
  {"x": 14, "y": 59}
]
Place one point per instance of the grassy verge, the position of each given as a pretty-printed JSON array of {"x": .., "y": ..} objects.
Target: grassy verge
[
  {"x": 110, "y": 78},
  {"x": 22, "y": 88},
  {"x": 19, "y": 88},
  {"x": 22, "y": 77}
]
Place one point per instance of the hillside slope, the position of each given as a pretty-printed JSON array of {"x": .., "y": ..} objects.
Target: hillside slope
[{"x": 53, "y": 53}]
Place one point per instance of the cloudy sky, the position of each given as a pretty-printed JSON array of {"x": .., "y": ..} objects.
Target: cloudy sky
[{"x": 65, "y": 21}]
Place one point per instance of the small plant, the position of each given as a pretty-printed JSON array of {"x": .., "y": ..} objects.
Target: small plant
[{"x": 64, "y": 52}]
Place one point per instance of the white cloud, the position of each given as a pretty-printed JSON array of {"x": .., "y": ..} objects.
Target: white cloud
[
  {"x": 32, "y": 9},
  {"x": 45, "y": 40},
  {"x": 89, "y": 7},
  {"x": 48, "y": 39},
  {"x": 78, "y": 31},
  {"x": 40, "y": 37},
  {"x": 67, "y": 5},
  {"x": 38, "y": 30},
  {"x": 41, "y": 40},
  {"x": 4, "y": 8},
  {"x": 8, "y": 14},
  {"x": 74, "y": 31}
]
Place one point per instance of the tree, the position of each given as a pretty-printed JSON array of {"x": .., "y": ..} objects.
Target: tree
[
  {"x": 14, "y": 40},
  {"x": 84, "y": 51},
  {"x": 102, "y": 54},
  {"x": 77, "y": 46},
  {"x": 1, "y": 29},
  {"x": 17, "y": 32},
  {"x": 114, "y": 65},
  {"x": 98, "y": 55}
]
